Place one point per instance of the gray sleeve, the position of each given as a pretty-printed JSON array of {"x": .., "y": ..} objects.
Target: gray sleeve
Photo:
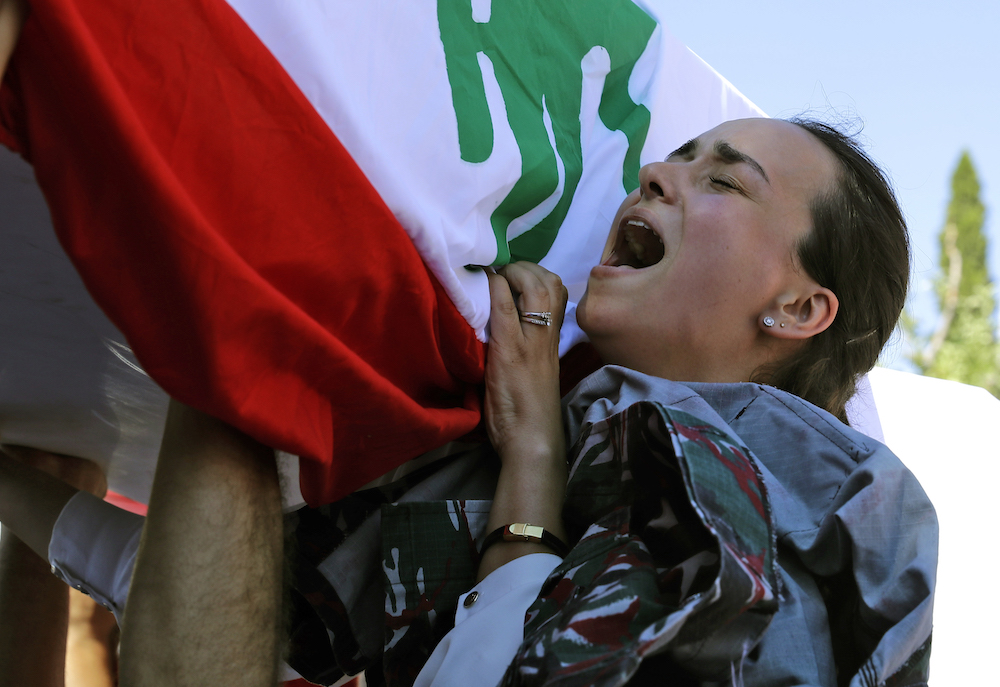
[{"x": 93, "y": 549}]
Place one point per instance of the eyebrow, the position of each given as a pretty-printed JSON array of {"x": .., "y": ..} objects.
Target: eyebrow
[
  {"x": 688, "y": 148},
  {"x": 725, "y": 152},
  {"x": 729, "y": 154}
]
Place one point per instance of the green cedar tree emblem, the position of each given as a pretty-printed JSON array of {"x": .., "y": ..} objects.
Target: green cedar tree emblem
[{"x": 536, "y": 48}]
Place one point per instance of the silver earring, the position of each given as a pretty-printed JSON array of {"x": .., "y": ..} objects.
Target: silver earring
[
  {"x": 782, "y": 324},
  {"x": 768, "y": 321}
]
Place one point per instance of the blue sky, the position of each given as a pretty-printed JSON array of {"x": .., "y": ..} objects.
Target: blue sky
[{"x": 923, "y": 78}]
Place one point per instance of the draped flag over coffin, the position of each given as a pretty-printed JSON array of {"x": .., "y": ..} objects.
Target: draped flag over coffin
[
  {"x": 248, "y": 224},
  {"x": 499, "y": 130}
]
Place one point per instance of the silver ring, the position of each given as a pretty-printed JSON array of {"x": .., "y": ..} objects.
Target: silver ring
[{"x": 541, "y": 318}]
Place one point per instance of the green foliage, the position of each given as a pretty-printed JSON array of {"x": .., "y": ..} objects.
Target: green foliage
[
  {"x": 964, "y": 347},
  {"x": 969, "y": 352},
  {"x": 966, "y": 213}
]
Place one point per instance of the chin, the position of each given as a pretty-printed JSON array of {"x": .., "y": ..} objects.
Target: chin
[
  {"x": 586, "y": 318},
  {"x": 581, "y": 312},
  {"x": 602, "y": 324}
]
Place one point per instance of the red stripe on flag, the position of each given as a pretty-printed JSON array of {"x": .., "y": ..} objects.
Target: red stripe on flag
[{"x": 223, "y": 228}]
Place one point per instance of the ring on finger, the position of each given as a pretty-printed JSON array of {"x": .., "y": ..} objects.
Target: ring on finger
[{"x": 541, "y": 318}]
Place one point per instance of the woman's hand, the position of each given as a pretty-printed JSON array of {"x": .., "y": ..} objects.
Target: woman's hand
[
  {"x": 522, "y": 362},
  {"x": 523, "y": 412}
]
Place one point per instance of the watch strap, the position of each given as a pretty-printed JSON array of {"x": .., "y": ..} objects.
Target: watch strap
[{"x": 524, "y": 532}]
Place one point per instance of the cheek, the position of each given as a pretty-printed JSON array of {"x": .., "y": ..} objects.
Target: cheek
[
  {"x": 726, "y": 252},
  {"x": 714, "y": 282}
]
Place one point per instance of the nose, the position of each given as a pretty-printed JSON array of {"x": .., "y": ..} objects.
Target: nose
[{"x": 658, "y": 181}]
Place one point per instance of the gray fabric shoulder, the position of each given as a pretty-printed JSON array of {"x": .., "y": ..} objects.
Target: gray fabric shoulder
[
  {"x": 612, "y": 389},
  {"x": 771, "y": 415},
  {"x": 812, "y": 461},
  {"x": 733, "y": 402},
  {"x": 806, "y": 454}
]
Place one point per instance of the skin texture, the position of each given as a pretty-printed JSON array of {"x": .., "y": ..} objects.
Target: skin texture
[
  {"x": 34, "y": 487},
  {"x": 204, "y": 606},
  {"x": 522, "y": 408},
  {"x": 207, "y": 584},
  {"x": 730, "y": 237},
  {"x": 33, "y": 617},
  {"x": 206, "y": 588},
  {"x": 34, "y": 604},
  {"x": 730, "y": 218},
  {"x": 91, "y": 643},
  {"x": 12, "y": 14}
]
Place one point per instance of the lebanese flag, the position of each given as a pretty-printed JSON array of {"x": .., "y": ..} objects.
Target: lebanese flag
[
  {"x": 224, "y": 229},
  {"x": 276, "y": 203}
]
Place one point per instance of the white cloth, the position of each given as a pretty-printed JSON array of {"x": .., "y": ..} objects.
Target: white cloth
[{"x": 487, "y": 632}]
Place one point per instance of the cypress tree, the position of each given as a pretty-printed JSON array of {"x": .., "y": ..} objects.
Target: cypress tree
[{"x": 964, "y": 347}]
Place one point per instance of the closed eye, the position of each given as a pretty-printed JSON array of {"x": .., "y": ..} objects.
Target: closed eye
[{"x": 721, "y": 181}]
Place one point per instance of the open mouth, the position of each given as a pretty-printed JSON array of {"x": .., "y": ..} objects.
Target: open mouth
[{"x": 636, "y": 246}]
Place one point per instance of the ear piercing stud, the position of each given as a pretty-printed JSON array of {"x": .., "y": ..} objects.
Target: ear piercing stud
[{"x": 769, "y": 321}]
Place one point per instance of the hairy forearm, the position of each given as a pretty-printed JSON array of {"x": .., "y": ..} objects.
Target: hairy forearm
[
  {"x": 33, "y": 612},
  {"x": 206, "y": 590}
]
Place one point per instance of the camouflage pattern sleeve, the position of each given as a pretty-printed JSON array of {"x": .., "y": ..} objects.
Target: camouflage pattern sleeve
[{"x": 678, "y": 558}]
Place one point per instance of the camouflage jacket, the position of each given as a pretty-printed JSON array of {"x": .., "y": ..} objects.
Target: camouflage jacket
[{"x": 723, "y": 534}]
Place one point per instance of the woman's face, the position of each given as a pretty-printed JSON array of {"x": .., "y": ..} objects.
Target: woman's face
[{"x": 704, "y": 249}]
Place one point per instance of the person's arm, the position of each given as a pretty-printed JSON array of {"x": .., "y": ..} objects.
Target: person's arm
[
  {"x": 523, "y": 417},
  {"x": 203, "y": 608},
  {"x": 12, "y": 15},
  {"x": 522, "y": 408},
  {"x": 33, "y": 612},
  {"x": 91, "y": 643},
  {"x": 34, "y": 487}
]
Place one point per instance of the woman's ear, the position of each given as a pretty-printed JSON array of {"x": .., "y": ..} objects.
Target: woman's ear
[{"x": 802, "y": 315}]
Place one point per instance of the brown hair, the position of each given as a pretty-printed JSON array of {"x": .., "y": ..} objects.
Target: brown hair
[{"x": 859, "y": 249}]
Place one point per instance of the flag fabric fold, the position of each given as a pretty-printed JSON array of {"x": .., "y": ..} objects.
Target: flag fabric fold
[
  {"x": 280, "y": 205},
  {"x": 223, "y": 228}
]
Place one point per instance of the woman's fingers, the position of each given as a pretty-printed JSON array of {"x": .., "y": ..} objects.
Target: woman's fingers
[
  {"x": 521, "y": 288},
  {"x": 538, "y": 289},
  {"x": 522, "y": 363},
  {"x": 522, "y": 409},
  {"x": 504, "y": 316}
]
